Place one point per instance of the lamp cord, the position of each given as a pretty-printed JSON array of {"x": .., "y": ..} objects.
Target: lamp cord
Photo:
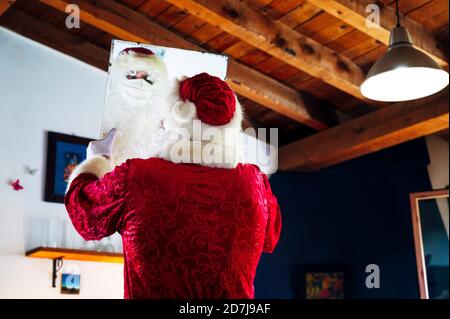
[{"x": 397, "y": 13}]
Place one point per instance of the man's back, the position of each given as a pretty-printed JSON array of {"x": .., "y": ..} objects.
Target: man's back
[{"x": 189, "y": 231}]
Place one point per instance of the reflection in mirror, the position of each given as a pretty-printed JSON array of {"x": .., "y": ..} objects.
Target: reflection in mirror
[{"x": 431, "y": 233}]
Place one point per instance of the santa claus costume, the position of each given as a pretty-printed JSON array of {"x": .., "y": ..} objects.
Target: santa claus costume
[{"x": 190, "y": 229}]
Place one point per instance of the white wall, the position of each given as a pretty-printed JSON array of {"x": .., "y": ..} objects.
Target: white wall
[
  {"x": 438, "y": 171},
  {"x": 439, "y": 166},
  {"x": 42, "y": 89}
]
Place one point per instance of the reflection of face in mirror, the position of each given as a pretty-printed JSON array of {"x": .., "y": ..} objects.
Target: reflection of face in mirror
[
  {"x": 138, "y": 77},
  {"x": 434, "y": 220}
]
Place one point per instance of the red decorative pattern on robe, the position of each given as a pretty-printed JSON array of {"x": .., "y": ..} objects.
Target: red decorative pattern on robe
[{"x": 188, "y": 231}]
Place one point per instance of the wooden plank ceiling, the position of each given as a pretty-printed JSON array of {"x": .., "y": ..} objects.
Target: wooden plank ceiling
[{"x": 296, "y": 64}]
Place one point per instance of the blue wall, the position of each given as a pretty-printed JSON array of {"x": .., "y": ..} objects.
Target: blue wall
[{"x": 351, "y": 215}]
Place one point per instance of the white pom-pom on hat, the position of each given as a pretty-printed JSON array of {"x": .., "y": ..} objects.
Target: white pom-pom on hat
[{"x": 183, "y": 112}]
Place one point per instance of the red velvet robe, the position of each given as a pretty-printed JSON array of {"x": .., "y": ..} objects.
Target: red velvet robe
[{"x": 188, "y": 231}]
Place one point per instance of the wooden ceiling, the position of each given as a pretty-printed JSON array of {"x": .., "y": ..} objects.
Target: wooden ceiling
[{"x": 295, "y": 64}]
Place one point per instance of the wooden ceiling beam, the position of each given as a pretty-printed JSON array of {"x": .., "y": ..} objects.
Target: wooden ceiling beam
[
  {"x": 5, "y": 5},
  {"x": 281, "y": 98},
  {"x": 383, "y": 128},
  {"x": 127, "y": 24},
  {"x": 353, "y": 13},
  {"x": 65, "y": 42},
  {"x": 277, "y": 39}
]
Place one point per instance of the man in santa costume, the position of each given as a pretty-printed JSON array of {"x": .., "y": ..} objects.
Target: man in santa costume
[{"x": 192, "y": 225}]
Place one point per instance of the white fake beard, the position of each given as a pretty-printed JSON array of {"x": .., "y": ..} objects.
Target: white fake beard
[{"x": 137, "y": 118}]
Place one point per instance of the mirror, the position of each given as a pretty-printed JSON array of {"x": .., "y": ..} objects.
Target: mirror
[{"x": 430, "y": 215}]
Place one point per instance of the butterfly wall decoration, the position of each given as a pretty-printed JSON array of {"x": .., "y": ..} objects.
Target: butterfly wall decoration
[
  {"x": 28, "y": 170},
  {"x": 16, "y": 185}
]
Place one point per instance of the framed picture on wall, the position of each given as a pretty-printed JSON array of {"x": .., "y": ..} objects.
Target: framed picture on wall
[
  {"x": 70, "y": 284},
  {"x": 323, "y": 282},
  {"x": 64, "y": 153}
]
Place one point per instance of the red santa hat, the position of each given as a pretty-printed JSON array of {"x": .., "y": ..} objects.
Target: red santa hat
[
  {"x": 137, "y": 51},
  {"x": 214, "y": 100}
]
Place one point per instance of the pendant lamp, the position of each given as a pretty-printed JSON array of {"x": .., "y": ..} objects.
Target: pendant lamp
[{"x": 403, "y": 73}]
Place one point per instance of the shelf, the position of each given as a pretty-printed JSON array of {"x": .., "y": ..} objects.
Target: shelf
[{"x": 74, "y": 254}]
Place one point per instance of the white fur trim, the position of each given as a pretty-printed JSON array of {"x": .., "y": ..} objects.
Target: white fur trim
[
  {"x": 139, "y": 62},
  {"x": 97, "y": 165}
]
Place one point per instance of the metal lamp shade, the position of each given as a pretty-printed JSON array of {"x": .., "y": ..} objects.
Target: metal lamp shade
[{"x": 403, "y": 73}]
